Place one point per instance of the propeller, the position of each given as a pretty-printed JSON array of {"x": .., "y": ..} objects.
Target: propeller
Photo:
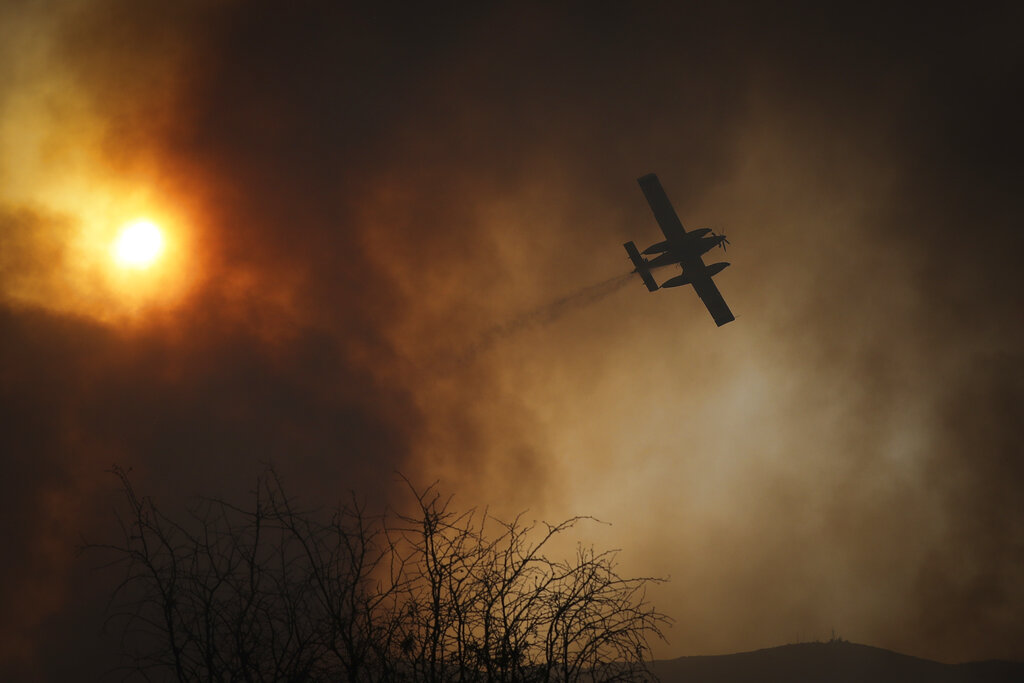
[{"x": 723, "y": 242}]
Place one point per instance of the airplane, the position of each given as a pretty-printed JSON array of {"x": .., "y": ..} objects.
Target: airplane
[{"x": 682, "y": 248}]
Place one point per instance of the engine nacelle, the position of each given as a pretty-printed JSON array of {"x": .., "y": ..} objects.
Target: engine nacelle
[
  {"x": 677, "y": 281},
  {"x": 657, "y": 248},
  {"x": 716, "y": 268},
  {"x": 684, "y": 279}
]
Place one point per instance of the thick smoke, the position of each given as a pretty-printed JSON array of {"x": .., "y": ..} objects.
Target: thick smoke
[{"x": 359, "y": 192}]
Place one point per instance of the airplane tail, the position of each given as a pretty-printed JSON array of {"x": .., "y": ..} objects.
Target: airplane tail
[{"x": 640, "y": 266}]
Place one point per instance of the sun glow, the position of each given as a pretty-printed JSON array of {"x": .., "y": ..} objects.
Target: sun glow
[
  {"x": 139, "y": 244},
  {"x": 82, "y": 231}
]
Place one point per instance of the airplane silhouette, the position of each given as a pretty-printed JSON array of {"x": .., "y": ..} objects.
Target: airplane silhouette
[{"x": 681, "y": 248}]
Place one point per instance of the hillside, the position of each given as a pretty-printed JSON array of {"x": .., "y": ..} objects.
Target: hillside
[{"x": 832, "y": 662}]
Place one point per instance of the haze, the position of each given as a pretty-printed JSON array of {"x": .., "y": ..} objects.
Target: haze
[{"x": 398, "y": 248}]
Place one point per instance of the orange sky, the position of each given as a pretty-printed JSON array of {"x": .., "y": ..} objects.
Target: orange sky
[{"x": 369, "y": 217}]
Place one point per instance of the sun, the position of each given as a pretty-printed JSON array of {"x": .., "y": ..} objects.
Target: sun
[{"x": 139, "y": 244}]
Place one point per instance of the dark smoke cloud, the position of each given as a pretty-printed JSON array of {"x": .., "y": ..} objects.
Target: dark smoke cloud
[{"x": 373, "y": 191}]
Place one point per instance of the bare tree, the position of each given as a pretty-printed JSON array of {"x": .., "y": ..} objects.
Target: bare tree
[
  {"x": 276, "y": 593},
  {"x": 496, "y": 607}
]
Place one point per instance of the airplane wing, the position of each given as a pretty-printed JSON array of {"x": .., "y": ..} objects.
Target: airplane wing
[
  {"x": 708, "y": 292},
  {"x": 662, "y": 207}
]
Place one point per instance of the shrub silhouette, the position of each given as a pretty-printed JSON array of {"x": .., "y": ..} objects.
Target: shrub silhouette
[{"x": 277, "y": 593}]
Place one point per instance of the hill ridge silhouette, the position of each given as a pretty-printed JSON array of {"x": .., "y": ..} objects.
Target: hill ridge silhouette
[{"x": 835, "y": 661}]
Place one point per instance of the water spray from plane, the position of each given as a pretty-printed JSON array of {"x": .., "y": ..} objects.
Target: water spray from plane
[{"x": 544, "y": 315}]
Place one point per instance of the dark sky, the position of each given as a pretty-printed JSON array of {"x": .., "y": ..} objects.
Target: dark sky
[{"x": 374, "y": 220}]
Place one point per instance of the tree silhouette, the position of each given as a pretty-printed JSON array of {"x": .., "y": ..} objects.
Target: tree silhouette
[{"x": 277, "y": 593}]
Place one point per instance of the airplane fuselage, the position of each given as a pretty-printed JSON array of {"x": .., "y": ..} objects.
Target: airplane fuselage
[{"x": 682, "y": 251}]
